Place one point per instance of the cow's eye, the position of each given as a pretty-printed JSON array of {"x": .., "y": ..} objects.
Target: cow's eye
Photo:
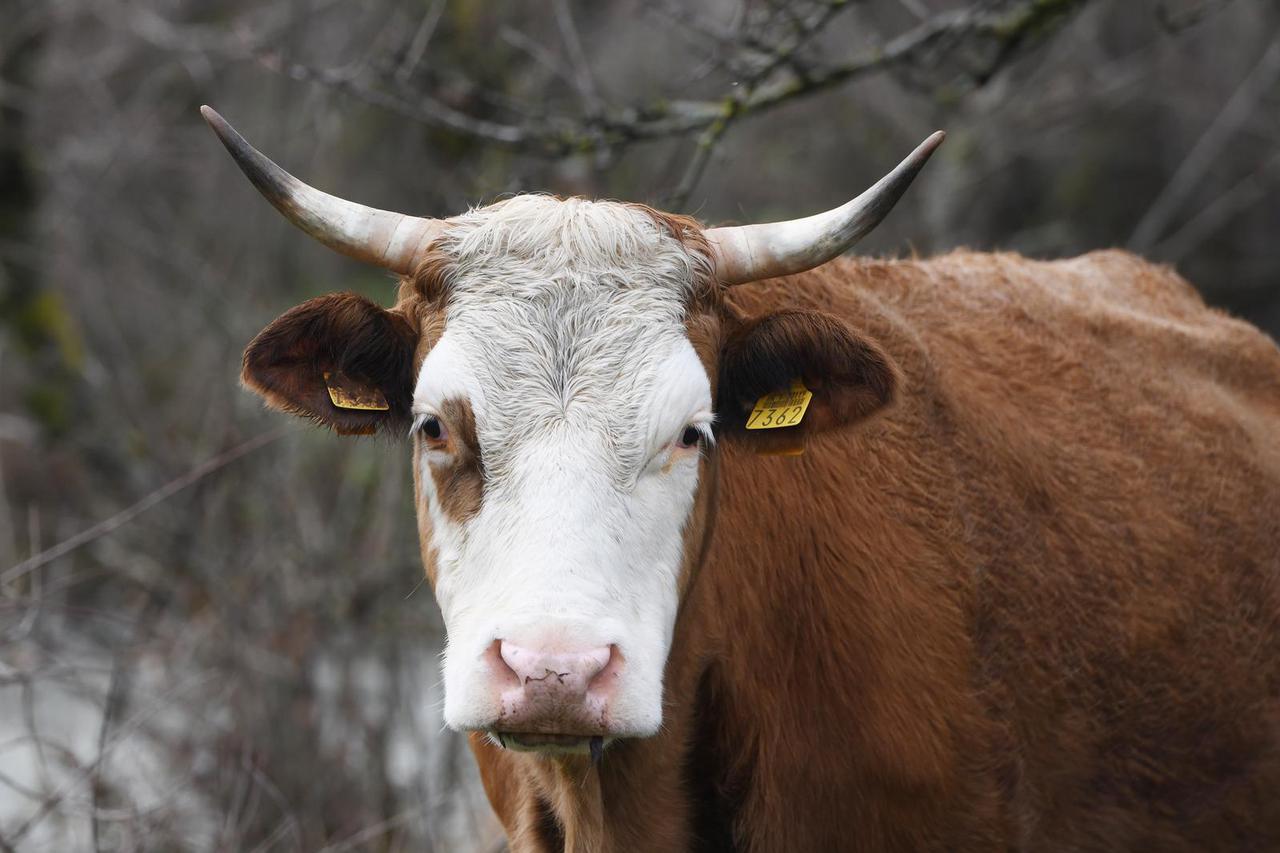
[
  {"x": 432, "y": 428},
  {"x": 691, "y": 437}
]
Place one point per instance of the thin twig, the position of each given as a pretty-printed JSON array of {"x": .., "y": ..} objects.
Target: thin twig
[
  {"x": 418, "y": 46},
  {"x": 693, "y": 173},
  {"x": 1174, "y": 23},
  {"x": 116, "y": 693},
  {"x": 1247, "y": 191},
  {"x": 87, "y": 773},
  {"x": 713, "y": 133},
  {"x": 1208, "y": 147},
  {"x": 368, "y": 833},
  {"x": 584, "y": 80},
  {"x": 536, "y": 51},
  {"x": 422, "y": 107},
  {"x": 916, "y": 8},
  {"x": 168, "y": 490}
]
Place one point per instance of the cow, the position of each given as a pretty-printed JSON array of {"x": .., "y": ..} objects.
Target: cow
[{"x": 741, "y": 544}]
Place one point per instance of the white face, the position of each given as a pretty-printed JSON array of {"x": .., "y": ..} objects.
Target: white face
[{"x": 565, "y": 337}]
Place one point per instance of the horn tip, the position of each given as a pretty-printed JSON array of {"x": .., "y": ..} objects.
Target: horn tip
[
  {"x": 916, "y": 159},
  {"x": 217, "y": 123},
  {"x": 931, "y": 144}
]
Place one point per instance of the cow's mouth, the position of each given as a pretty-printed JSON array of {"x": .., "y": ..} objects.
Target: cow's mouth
[{"x": 592, "y": 745}]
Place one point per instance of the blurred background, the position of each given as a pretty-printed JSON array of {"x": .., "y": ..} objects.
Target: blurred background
[{"x": 213, "y": 634}]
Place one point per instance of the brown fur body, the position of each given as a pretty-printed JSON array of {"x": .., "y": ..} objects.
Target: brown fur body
[{"x": 1033, "y": 606}]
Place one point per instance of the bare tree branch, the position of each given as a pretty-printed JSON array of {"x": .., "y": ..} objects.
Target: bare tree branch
[
  {"x": 418, "y": 46},
  {"x": 1249, "y": 190},
  {"x": 1206, "y": 150},
  {"x": 776, "y": 80},
  {"x": 584, "y": 81},
  {"x": 168, "y": 490}
]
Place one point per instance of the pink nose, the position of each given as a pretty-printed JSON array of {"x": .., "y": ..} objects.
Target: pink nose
[{"x": 557, "y": 691}]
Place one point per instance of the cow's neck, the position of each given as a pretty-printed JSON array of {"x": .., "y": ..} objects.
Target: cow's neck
[{"x": 574, "y": 794}]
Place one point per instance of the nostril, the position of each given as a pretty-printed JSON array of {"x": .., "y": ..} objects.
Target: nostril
[
  {"x": 605, "y": 680},
  {"x": 595, "y": 661},
  {"x": 502, "y": 666}
]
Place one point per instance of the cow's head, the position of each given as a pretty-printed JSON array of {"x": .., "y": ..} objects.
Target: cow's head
[{"x": 565, "y": 369}]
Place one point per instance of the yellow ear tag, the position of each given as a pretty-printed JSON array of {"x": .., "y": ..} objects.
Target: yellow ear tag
[
  {"x": 346, "y": 394},
  {"x": 783, "y": 409}
]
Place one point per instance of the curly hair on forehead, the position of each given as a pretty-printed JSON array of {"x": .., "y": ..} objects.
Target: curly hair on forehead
[
  {"x": 688, "y": 231},
  {"x": 432, "y": 279}
]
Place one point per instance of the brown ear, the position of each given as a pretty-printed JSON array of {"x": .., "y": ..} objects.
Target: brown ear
[
  {"x": 339, "y": 347},
  {"x": 850, "y": 376}
]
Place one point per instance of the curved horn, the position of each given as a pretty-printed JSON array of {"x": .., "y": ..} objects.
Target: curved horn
[
  {"x": 751, "y": 252},
  {"x": 393, "y": 241}
]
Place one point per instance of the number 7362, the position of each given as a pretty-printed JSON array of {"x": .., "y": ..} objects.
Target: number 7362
[{"x": 775, "y": 417}]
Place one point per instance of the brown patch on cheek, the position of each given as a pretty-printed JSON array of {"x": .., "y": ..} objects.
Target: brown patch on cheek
[
  {"x": 704, "y": 331},
  {"x": 460, "y": 484},
  {"x": 424, "y": 517},
  {"x": 430, "y": 318}
]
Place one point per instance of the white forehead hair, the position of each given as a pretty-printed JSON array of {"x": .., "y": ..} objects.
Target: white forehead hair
[{"x": 564, "y": 314}]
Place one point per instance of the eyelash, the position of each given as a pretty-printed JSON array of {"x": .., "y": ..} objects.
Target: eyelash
[
  {"x": 701, "y": 433},
  {"x": 422, "y": 425}
]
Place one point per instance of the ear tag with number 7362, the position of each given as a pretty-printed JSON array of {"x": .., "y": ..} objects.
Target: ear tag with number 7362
[{"x": 781, "y": 409}]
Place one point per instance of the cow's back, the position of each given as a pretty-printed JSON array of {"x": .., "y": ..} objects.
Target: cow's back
[{"x": 1037, "y": 601}]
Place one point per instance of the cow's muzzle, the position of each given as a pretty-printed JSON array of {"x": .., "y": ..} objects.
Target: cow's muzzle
[{"x": 554, "y": 699}]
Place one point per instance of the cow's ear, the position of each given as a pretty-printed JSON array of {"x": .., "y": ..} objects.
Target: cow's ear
[
  {"x": 850, "y": 377},
  {"x": 340, "y": 360}
]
